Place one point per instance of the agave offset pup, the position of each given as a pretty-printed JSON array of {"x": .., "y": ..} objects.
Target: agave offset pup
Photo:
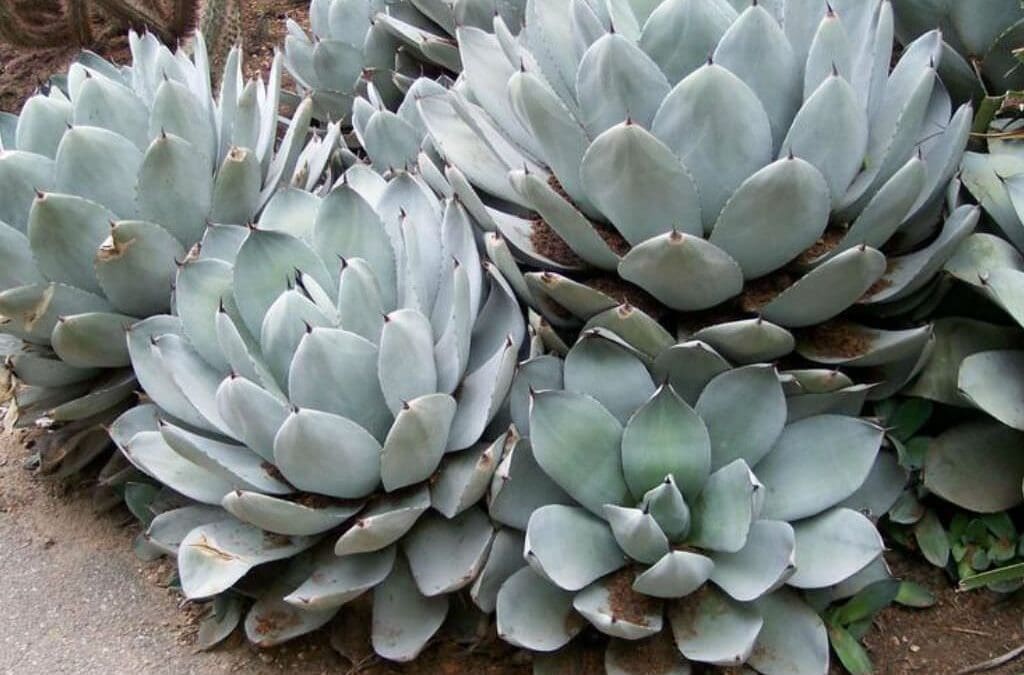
[
  {"x": 387, "y": 42},
  {"x": 325, "y": 394},
  {"x": 104, "y": 186},
  {"x": 787, "y": 193},
  {"x": 694, "y": 531}
]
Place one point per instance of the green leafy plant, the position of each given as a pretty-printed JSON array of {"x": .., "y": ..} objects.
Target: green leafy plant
[{"x": 702, "y": 183}]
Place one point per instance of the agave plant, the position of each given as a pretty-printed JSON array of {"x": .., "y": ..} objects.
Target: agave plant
[
  {"x": 980, "y": 39},
  {"x": 977, "y": 465},
  {"x": 104, "y": 186},
  {"x": 747, "y": 199},
  {"x": 321, "y": 394},
  {"x": 386, "y": 42},
  {"x": 689, "y": 523}
]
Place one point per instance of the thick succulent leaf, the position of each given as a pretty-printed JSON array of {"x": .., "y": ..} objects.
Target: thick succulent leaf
[
  {"x": 827, "y": 290},
  {"x": 503, "y": 560},
  {"x": 888, "y": 209},
  {"x": 135, "y": 267},
  {"x": 327, "y": 454},
  {"x": 761, "y": 565},
  {"x": 717, "y": 123},
  {"x": 45, "y": 370},
  {"x": 446, "y": 555},
  {"x": 832, "y": 547},
  {"x": 195, "y": 379},
  {"x": 616, "y": 80},
  {"x": 639, "y": 185},
  {"x": 637, "y": 533},
  {"x": 992, "y": 381},
  {"x": 688, "y": 367},
  {"x": 639, "y": 330},
  {"x": 977, "y": 466},
  {"x": 680, "y": 35},
  {"x": 748, "y": 340},
  {"x": 337, "y": 580},
  {"x": 712, "y": 628},
  {"x": 93, "y": 340},
  {"x": 154, "y": 373},
  {"x": 655, "y": 264},
  {"x": 266, "y": 266},
  {"x": 793, "y": 639},
  {"x": 252, "y": 414},
  {"x": 216, "y": 555},
  {"x": 610, "y": 373},
  {"x": 463, "y": 478},
  {"x": 536, "y": 374},
  {"x": 403, "y": 619},
  {"x": 21, "y": 175},
  {"x": 65, "y": 233},
  {"x": 274, "y": 514},
  {"x": 813, "y": 137},
  {"x": 406, "y": 360},
  {"x": 416, "y": 442},
  {"x": 384, "y": 522},
  {"x": 272, "y": 621},
  {"x": 668, "y": 507},
  {"x": 572, "y": 431},
  {"x": 177, "y": 110},
  {"x": 666, "y": 437},
  {"x": 956, "y": 339},
  {"x": 169, "y": 529},
  {"x": 599, "y": 604},
  {"x": 534, "y": 614},
  {"x": 331, "y": 355},
  {"x": 520, "y": 487},
  {"x": 787, "y": 203},
  {"x": 32, "y": 311},
  {"x": 881, "y": 489},
  {"x": 872, "y": 346},
  {"x": 577, "y": 298},
  {"x": 17, "y": 265},
  {"x": 593, "y": 555},
  {"x": 676, "y": 575},
  {"x": 830, "y": 52},
  {"x": 480, "y": 396},
  {"x": 748, "y": 436},
  {"x": 202, "y": 287},
  {"x": 150, "y": 453},
  {"x": 723, "y": 513},
  {"x": 100, "y": 166},
  {"x": 567, "y": 221},
  {"x": 235, "y": 464},
  {"x": 360, "y": 302},
  {"x": 756, "y": 50},
  {"x": 817, "y": 463},
  {"x": 41, "y": 123},
  {"x": 236, "y": 189},
  {"x": 175, "y": 189}
]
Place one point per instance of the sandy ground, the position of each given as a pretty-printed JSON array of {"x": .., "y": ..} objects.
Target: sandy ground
[{"x": 74, "y": 599}]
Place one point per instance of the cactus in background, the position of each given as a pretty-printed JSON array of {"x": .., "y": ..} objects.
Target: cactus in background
[
  {"x": 221, "y": 25},
  {"x": 52, "y": 23}
]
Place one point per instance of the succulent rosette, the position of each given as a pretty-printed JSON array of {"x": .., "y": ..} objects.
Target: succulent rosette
[
  {"x": 752, "y": 175},
  {"x": 105, "y": 184},
  {"x": 387, "y": 42},
  {"x": 696, "y": 511},
  {"x": 325, "y": 393}
]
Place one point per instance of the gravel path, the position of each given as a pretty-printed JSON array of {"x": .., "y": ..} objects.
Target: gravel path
[{"x": 74, "y": 599}]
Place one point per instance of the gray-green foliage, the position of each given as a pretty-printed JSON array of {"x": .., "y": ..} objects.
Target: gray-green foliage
[
  {"x": 104, "y": 187},
  {"x": 326, "y": 394},
  {"x": 644, "y": 512},
  {"x": 979, "y": 364},
  {"x": 786, "y": 178},
  {"x": 386, "y": 42},
  {"x": 979, "y": 40}
]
